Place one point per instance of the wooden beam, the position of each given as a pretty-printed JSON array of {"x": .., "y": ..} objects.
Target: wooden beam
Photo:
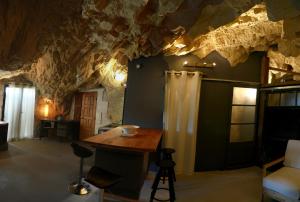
[
  {"x": 264, "y": 70},
  {"x": 199, "y": 66},
  {"x": 283, "y": 70}
]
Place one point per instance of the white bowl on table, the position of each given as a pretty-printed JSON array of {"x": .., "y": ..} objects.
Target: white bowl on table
[{"x": 129, "y": 130}]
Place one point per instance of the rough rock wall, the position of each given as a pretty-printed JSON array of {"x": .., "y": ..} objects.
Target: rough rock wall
[
  {"x": 251, "y": 31},
  {"x": 278, "y": 60},
  {"x": 275, "y": 23},
  {"x": 64, "y": 45},
  {"x": 25, "y": 28}
]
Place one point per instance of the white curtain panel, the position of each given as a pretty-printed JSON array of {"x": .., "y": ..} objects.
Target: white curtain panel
[
  {"x": 12, "y": 111},
  {"x": 27, "y": 113},
  {"x": 182, "y": 93},
  {"x": 19, "y": 112}
]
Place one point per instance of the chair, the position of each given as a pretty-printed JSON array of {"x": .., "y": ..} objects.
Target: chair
[
  {"x": 284, "y": 183},
  {"x": 79, "y": 187}
]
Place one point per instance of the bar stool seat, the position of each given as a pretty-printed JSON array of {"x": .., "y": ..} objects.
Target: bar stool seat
[
  {"x": 81, "y": 151},
  {"x": 168, "y": 151}
]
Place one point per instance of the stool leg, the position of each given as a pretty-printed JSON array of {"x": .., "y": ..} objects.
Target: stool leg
[
  {"x": 155, "y": 185},
  {"x": 173, "y": 171},
  {"x": 164, "y": 173},
  {"x": 171, "y": 185},
  {"x": 80, "y": 171},
  {"x": 78, "y": 187},
  {"x": 101, "y": 195}
]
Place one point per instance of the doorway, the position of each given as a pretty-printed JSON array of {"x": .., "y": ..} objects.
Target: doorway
[
  {"x": 19, "y": 108},
  {"x": 85, "y": 111}
]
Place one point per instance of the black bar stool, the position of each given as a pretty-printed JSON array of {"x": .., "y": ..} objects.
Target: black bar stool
[
  {"x": 166, "y": 169},
  {"x": 167, "y": 155},
  {"x": 102, "y": 179},
  {"x": 79, "y": 187}
]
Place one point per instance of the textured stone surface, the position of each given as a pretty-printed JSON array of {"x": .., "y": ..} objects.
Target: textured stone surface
[
  {"x": 278, "y": 60},
  {"x": 290, "y": 43},
  {"x": 62, "y": 46},
  {"x": 278, "y": 9},
  {"x": 65, "y": 45},
  {"x": 251, "y": 31}
]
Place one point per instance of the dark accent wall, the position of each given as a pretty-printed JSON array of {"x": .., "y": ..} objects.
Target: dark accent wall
[
  {"x": 144, "y": 95},
  {"x": 247, "y": 71},
  {"x": 214, "y": 117},
  {"x": 144, "y": 99}
]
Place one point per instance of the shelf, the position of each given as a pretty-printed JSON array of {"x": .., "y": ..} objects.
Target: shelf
[
  {"x": 281, "y": 86},
  {"x": 277, "y": 139}
]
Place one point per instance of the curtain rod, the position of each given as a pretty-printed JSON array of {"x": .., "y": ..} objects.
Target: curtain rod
[
  {"x": 180, "y": 73},
  {"x": 231, "y": 81},
  {"x": 215, "y": 79},
  {"x": 19, "y": 84}
]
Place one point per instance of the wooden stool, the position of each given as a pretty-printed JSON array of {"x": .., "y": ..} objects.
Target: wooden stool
[
  {"x": 102, "y": 179},
  {"x": 167, "y": 155},
  {"x": 166, "y": 169}
]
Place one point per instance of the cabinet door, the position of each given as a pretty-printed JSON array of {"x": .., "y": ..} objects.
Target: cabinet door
[
  {"x": 242, "y": 135},
  {"x": 88, "y": 114},
  {"x": 213, "y": 122},
  {"x": 77, "y": 106}
]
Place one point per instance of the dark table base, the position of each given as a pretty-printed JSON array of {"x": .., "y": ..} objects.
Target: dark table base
[{"x": 131, "y": 165}]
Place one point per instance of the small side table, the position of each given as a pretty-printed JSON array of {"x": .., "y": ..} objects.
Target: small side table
[
  {"x": 46, "y": 126},
  {"x": 67, "y": 129}
]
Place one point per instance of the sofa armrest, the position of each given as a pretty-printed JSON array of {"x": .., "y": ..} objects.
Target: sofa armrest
[{"x": 272, "y": 163}]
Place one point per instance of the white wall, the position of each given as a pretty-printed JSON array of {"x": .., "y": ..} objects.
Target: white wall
[
  {"x": 1, "y": 97},
  {"x": 102, "y": 118}
]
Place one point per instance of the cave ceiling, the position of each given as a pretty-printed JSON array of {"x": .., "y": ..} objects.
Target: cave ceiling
[{"x": 64, "y": 45}]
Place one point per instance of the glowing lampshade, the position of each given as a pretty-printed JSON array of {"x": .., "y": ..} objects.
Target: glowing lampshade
[{"x": 46, "y": 110}]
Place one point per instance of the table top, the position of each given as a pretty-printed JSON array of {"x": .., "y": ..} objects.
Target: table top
[{"x": 146, "y": 140}]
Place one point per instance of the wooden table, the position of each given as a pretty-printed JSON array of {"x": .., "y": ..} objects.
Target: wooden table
[{"x": 126, "y": 156}]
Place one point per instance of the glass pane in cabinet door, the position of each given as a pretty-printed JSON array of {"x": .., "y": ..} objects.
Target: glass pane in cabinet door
[
  {"x": 244, "y": 96},
  {"x": 242, "y": 133},
  {"x": 288, "y": 99},
  {"x": 298, "y": 98},
  {"x": 274, "y": 99},
  {"x": 243, "y": 114}
]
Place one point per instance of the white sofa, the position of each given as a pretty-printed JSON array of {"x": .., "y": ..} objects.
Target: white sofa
[{"x": 284, "y": 183}]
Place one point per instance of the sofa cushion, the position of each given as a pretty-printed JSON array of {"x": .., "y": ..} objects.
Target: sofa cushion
[
  {"x": 292, "y": 154},
  {"x": 285, "y": 181}
]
